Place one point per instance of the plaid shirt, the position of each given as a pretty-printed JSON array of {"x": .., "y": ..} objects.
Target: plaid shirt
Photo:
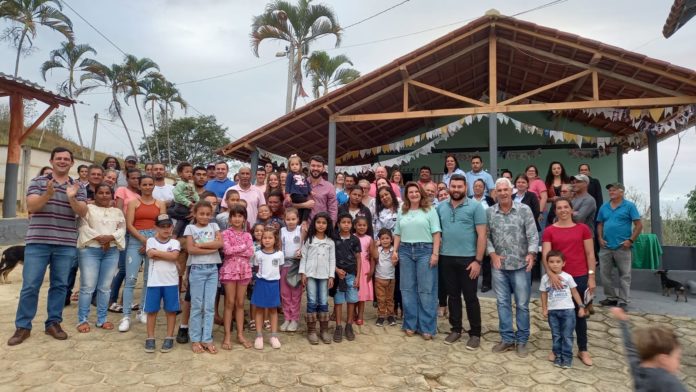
[{"x": 512, "y": 234}]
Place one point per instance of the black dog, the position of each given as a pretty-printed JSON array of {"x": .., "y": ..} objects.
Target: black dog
[
  {"x": 669, "y": 285},
  {"x": 10, "y": 258}
]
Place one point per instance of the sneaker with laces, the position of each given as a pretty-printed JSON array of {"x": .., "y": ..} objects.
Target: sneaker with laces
[
  {"x": 150, "y": 345},
  {"x": 380, "y": 322},
  {"x": 350, "y": 335},
  {"x": 391, "y": 320},
  {"x": 275, "y": 342},
  {"x": 258, "y": 343},
  {"x": 124, "y": 325},
  {"x": 167, "y": 345},
  {"x": 338, "y": 334},
  {"x": 142, "y": 317},
  {"x": 293, "y": 325},
  {"x": 473, "y": 343},
  {"x": 452, "y": 337},
  {"x": 503, "y": 346},
  {"x": 182, "y": 336},
  {"x": 284, "y": 325}
]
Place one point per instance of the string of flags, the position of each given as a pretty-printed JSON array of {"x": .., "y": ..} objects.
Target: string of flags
[{"x": 655, "y": 120}]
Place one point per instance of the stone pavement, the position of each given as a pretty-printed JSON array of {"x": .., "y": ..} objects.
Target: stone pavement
[{"x": 379, "y": 359}]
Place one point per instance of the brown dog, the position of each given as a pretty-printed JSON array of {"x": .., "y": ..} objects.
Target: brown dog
[{"x": 10, "y": 258}]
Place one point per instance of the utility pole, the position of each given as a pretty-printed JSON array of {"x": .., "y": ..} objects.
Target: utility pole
[
  {"x": 290, "y": 54},
  {"x": 94, "y": 137}
]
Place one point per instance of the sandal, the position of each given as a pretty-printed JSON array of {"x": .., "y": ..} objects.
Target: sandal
[
  {"x": 83, "y": 327},
  {"x": 115, "y": 308},
  {"x": 359, "y": 322},
  {"x": 243, "y": 342},
  {"x": 75, "y": 296},
  {"x": 409, "y": 332},
  {"x": 210, "y": 348},
  {"x": 427, "y": 336},
  {"x": 197, "y": 348},
  {"x": 108, "y": 325},
  {"x": 252, "y": 325},
  {"x": 267, "y": 325}
]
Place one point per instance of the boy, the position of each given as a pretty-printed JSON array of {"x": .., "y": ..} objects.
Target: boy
[
  {"x": 162, "y": 283},
  {"x": 347, "y": 269},
  {"x": 185, "y": 196},
  {"x": 557, "y": 305},
  {"x": 654, "y": 359}
]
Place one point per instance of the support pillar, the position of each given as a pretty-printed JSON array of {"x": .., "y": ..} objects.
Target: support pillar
[
  {"x": 9, "y": 201},
  {"x": 332, "y": 151},
  {"x": 254, "y": 162},
  {"x": 654, "y": 178},
  {"x": 619, "y": 164},
  {"x": 493, "y": 144}
]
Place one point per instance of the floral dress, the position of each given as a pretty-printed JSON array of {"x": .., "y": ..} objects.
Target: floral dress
[{"x": 238, "y": 248}]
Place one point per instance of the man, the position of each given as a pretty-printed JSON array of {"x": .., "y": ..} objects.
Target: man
[
  {"x": 247, "y": 192},
  {"x": 95, "y": 176},
  {"x": 594, "y": 188},
  {"x": 148, "y": 169},
  {"x": 349, "y": 181},
  {"x": 162, "y": 191},
  {"x": 200, "y": 178},
  {"x": 463, "y": 224},
  {"x": 261, "y": 179},
  {"x": 381, "y": 172},
  {"x": 431, "y": 190},
  {"x": 210, "y": 171},
  {"x": 425, "y": 176},
  {"x": 615, "y": 241},
  {"x": 323, "y": 192},
  {"x": 130, "y": 163},
  {"x": 476, "y": 173},
  {"x": 220, "y": 184},
  {"x": 584, "y": 207},
  {"x": 513, "y": 242},
  {"x": 53, "y": 201}
]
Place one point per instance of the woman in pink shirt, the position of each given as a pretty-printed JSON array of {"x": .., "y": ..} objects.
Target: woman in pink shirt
[
  {"x": 125, "y": 194},
  {"x": 537, "y": 186}
]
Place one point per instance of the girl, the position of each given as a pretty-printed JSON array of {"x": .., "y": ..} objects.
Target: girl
[
  {"x": 202, "y": 243},
  {"x": 297, "y": 188},
  {"x": 235, "y": 274},
  {"x": 347, "y": 248},
  {"x": 266, "y": 296},
  {"x": 291, "y": 241},
  {"x": 385, "y": 282},
  {"x": 266, "y": 218},
  {"x": 368, "y": 254},
  {"x": 317, "y": 267},
  {"x": 257, "y": 234},
  {"x": 273, "y": 185}
]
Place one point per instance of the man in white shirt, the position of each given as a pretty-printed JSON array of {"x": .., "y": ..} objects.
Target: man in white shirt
[{"x": 162, "y": 191}]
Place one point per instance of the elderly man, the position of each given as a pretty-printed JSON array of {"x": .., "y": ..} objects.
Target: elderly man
[
  {"x": 381, "y": 172},
  {"x": 249, "y": 193},
  {"x": 221, "y": 183},
  {"x": 513, "y": 243},
  {"x": 431, "y": 190},
  {"x": 463, "y": 224},
  {"x": 594, "y": 188},
  {"x": 476, "y": 173},
  {"x": 616, "y": 238},
  {"x": 584, "y": 207}
]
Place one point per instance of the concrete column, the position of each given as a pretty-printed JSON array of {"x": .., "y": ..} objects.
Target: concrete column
[
  {"x": 254, "y": 159},
  {"x": 493, "y": 144},
  {"x": 619, "y": 164},
  {"x": 332, "y": 151},
  {"x": 654, "y": 178}
]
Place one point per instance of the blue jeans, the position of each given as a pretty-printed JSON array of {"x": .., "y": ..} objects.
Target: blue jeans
[
  {"x": 418, "y": 287},
  {"x": 203, "y": 281},
  {"x": 507, "y": 283},
  {"x": 37, "y": 257},
  {"x": 133, "y": 260},
  {"x": 120, "y": 274},
  {"x": 562, "y": 323},
  {"x": 97, "y": 269},
  {"x": 317, "y": 295}
]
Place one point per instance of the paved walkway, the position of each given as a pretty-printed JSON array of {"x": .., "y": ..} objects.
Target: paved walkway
[{"x": 379, "y": 359}]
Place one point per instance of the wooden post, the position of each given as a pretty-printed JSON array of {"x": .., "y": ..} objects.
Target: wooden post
[
  {"x": 26, "y": 176},
  {"x": 492, "y": 69},
  {"x": 9, "y": 204},
  {"x": 332, "y": 147}
]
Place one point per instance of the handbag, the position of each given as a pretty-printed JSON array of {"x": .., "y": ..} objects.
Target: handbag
[{"x": 293, "y": 276}]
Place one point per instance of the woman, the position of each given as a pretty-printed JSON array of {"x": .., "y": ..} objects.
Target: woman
[
  {"x": 480, "y": 194},
  {"x": 275, "y": 204},
  {"x": 367, "y": 200},
  {"x": 45, "y": 171},
  {"x": 451, "y": 168},
  {"x": 537, "y": 186},
  {"x": 102, "y": 233},
  {"x": 140, "y": 221},
  {"x": 529, "y": 198},
  {"x": 575, "y": 241},
  {"x": 110, "y": 177},
  {"x": 442, "y": 195},
  {"x": 273, "y": 184},
  {"x": 555, "y": 177},
  {"x": 124, "y": 195},
  {"x": 339, "y": 182},
  {"x": 417, "y": 249},
  {"x": 384, "y": 217},
  {"x": 398, "y": 179},
  {"x": 111, "y": 163},
  {"x": 268, "y": 167}
]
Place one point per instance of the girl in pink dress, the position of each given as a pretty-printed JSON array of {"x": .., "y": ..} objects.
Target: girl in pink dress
[
  {"x": 368, "y": 254},
  {"x": 235, "y": 273}
]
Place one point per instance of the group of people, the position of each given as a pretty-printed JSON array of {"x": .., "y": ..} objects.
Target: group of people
[{"x": 410, "y": 249}]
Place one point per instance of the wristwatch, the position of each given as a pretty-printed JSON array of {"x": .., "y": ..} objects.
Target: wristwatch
[
  {"x": 590, "y": 272},
  {"x": 478, "y": 261},
  {"x": 581, "y": 306}
]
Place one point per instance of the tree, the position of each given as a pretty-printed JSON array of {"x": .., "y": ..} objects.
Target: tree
[
  {"x": 691, "y": 205},
  {"x": 326, "y": 72},
  {"x": 151, "y": 89},
  {"x": 298, "y": 25},
  {"x": 137, "y": 72},
  {"x": 27, "y": 16},
  {"x": 168, "y": 96},
  {"x": 194, "y": 140},
  {"x": 69, "y": 58}
]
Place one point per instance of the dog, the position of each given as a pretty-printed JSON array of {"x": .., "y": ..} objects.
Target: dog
[
  {"x": 10, "y": 258},
  {"x": 669, "y": 285}
]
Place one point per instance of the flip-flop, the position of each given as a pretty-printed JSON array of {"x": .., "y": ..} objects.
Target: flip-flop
[
  {"x": 108, "y": 325},
  {"x": 83, "y": 327},
  {"x": 210, "y": 348},
  {"x": 226, "y": 346},
  {"x": 75, "y": 296},
  {"x": 197, "y": 348},
  {"x": 244, "y": 342}
]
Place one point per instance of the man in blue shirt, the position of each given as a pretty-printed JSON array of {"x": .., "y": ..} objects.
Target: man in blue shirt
[
  {"x": 220, "y": 184},
  {"x": 463, "y": 223},
  {"x": 477, "y": 172},
  {"x": 616, "y": 238}
]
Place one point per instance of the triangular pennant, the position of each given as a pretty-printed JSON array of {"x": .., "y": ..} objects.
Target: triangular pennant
[{"x": 656, "y": 113}]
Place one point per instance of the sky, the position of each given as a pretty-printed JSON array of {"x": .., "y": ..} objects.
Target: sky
[{"x": 194, "y": 40}]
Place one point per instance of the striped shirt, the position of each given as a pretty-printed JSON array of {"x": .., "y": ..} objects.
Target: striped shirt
[{"x": 56, "y": 222}]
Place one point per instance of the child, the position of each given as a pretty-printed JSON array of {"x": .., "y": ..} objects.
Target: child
[
  {"x": 317, "y": 268},
  {"x": 654, "y": 358},
  {"x": 347, "y": 268},
  {"x": 265, "y": 216},
  {"x": 235, "y": 273},
  {"x": 266, "y": 295},
  {"x": 231, "y": 197},
  {"x": 385, "y": 273},
  {"x": 257, "y": 235},
  {"x": 557, "y": 305},
  {"x": 162, "y": 281},
  {"x": 297, "y": 188},
  {"x": 368, "y": 254},
  {"x": 185, "y": 196},
  {"x": 291, "y": 240},
  {"x": 202, "y": 243}
]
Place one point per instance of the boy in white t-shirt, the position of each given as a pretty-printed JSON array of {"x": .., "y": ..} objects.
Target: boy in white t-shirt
[
  {"x": 162, "y": 283},
  {"x": 557, "y": 305}
]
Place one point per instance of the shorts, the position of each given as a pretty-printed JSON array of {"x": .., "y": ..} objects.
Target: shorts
[
  {"x": 155, "y": 295},
  {"x": 350, "y": 295},
  {"x": 266, "y": 293}
]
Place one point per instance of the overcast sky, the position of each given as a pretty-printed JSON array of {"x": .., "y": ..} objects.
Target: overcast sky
[{"x": 192, "y": 40}]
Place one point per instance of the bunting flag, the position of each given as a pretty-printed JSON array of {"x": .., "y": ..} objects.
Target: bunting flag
[
  {"x": 655, "y": 120},
  {"x": 275, "y": 158}
]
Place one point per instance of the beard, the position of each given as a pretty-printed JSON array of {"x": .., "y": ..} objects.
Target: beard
[
  {"x": 456, "y": 196},
  {"x": 315, "y": 173}
]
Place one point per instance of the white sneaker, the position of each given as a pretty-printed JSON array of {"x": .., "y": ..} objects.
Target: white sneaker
[
  {"x": 124, "y": 325},
  {"x": 142, "y": 317},
  {"x": 275, "y": 343},
  {"x": 284, "y": 326},
  {"x": 292, "y": 326}
]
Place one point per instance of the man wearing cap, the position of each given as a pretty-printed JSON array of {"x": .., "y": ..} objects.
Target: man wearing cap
[
  {"x": 594, "y": 188},
  {"x": 221, "y": 182},
  {"x": 210, "y": 171},
  {"x": 584, "y": 206},
  {"x": 130, "y": 163},
  {"x": 615, "y": 240}
]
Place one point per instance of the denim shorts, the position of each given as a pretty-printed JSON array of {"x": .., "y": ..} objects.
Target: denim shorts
[
  {"x": 350, "y": 295},
  {"x": 155, "y": 295}
]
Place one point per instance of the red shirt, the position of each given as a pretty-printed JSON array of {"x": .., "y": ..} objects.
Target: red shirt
[{"x": 570, "y": 241}]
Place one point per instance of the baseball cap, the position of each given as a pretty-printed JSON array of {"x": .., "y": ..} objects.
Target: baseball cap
[
  {"x": 131, "y": 158},
  {"x": 582, "y": 177},
  {"x": 163, "y": 220},
  {"x": 210, "y": 166},
  {"x": 616, "y": 185}
]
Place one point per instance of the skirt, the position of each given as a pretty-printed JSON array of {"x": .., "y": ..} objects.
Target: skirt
[{"x": 266, "y": 293}]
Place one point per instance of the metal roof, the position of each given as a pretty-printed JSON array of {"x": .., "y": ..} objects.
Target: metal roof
[{"x": 14, "y": 85}]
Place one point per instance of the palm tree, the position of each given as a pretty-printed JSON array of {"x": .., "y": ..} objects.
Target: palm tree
[
  {"x": 69, "y": 58},
  {"x": 114, "y": 79},
  {"x": 298, "y": 25},
  {"x": 28, "y": 15},
  {"x": 326, "y": 72},
  {"x": 168, "y": 96},
  {"x": 152, "y": 88},
  {"x": 137, "y": 71}
]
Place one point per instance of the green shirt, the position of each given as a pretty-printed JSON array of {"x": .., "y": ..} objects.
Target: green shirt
[
  {"x": 459, "y": 227},
  {"x": 185, "y": 193},
  {"x": 417, "y": 225}
]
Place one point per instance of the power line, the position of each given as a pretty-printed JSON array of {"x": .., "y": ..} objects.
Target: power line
[
  {"x": 94, "y": 28},
  {"x": 375, "y": 15},
  {"x": 229, "y": 73},
  {"x": 545, "y": 5}
]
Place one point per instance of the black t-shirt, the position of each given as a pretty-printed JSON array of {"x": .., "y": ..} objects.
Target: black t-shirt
[{"x": 345, "y": 253}]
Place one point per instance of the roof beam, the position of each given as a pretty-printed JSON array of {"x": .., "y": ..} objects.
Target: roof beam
[
  {"x": 38, "y": 122},
  {"x": 447, "y": 93},
  {"x": 581, "y": 82},
  {"x": 547, "y": 87}
]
